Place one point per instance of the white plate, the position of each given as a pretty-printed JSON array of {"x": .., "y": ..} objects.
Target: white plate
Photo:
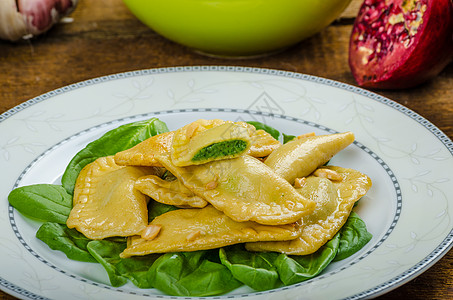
[{"x": 408, "y": 210}]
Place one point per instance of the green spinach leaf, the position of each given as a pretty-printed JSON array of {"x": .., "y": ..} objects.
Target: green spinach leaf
[
  {"x": 45, "y": 202},
  {"x": 354, "y": 235},
  {"x": 295, "y": 269},
  {"x": 118, "y": 139},
  {"x": 120, "y": 270},
  {"x": 255, "y": 269},
  {"x": 287, "y": 138},
  {"x": 191, "y": 274},
  {"x": 69, "y": 241}
]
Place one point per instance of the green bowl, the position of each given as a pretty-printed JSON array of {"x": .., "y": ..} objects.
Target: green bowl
[{"x": 237, "y": 27}]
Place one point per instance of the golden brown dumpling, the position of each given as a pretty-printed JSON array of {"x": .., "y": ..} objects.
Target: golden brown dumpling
[
  {"x": 334, "y": 202},
  {"x": 206, "y": 140},
  {"x": 301, "y": 156},
  {"x": 199, "y": 229},
  {"x": 244, "y": 189},
  {"x": 105, "y": 201},
  {"x": 262, "y": 144},
  {"x": 171, "y": 192},
  {"x": 143, "y": 153}
]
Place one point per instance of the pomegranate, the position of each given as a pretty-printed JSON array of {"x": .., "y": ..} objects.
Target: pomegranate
[
  {"x": 400, "y": 43},
  {"x": 27, "y": 18}
]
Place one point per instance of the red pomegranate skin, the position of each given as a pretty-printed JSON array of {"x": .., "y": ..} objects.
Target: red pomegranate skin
[{"x": 393, "y": 46}]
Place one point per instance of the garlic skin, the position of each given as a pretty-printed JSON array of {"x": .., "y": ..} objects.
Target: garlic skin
[
  {"x": 12, "y": 24},
  {"x": 22, "y": 19}
]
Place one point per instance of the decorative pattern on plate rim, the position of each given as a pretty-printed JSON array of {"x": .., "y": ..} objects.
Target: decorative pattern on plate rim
[
  {"x": 399, "y": 107},
  {"x": 426, "y": 262},
  {"x": 235, "y": 111},
  {"x": 20, "y": 291}
]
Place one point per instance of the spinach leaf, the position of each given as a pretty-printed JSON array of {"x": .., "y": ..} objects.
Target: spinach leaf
[
  {"x": 191, "y": 274},
  {"x": 118, "y": 139},
  {"x": 272, "y": 131},
  {"x": 287, "y": 138},
  {"x": 354, "y": 236},
  {"x": 119, "y": 270},
  {"x": 69, "y": 241},
  {"x": 45, "y": 202},
  {"x": 156, "y": 209},
  {"x": 255, "y": 269},
  {"x": 295, "y": 269}
]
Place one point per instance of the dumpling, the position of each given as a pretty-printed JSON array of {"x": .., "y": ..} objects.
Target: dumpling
[
  {"x": 206, "y": 140},
  {"x": 105, "y": 201},
  {"x": 199, "y": 229},
  {"x": 244, "y": 189},
  {"x": 143, "y": 153},
  {"x": 334, "y": 202},
  {"x": 262, "y": 144},
  {"x": 301, "y": 156},
  {"x": 171, "y": 192}
]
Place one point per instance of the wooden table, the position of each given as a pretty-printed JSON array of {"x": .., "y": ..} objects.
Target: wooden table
[{"x": 104, "y": 38}]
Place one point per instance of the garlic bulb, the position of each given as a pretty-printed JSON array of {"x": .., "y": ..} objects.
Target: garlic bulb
[{"x": 27, "y": 18}]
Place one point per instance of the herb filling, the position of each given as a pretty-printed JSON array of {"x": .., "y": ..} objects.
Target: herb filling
[{"x": 221, "y": 149}]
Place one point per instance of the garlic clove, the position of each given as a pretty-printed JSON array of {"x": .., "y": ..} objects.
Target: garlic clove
[
  {"x": 12, "y": 23},
  {"x": 27, "y": 18}
]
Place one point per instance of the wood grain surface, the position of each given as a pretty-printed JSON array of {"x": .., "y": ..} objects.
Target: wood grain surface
[{"x": 105, "y": 38}]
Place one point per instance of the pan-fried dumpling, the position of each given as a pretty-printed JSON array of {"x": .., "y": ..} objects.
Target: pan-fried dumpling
[
  {"x": 244, "y": 189},
  {"x": 202, "y": 228},
  {"x": 105, "y": 201},
  {"x": 171, "y": 192},
  {"x": 206, "y": 140},
  {"x": 334, "y": 202},
  {"x": 262, "y": 144},
  {"x": 300, "y": 157},
  {"x": 143, "y": 153}
]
